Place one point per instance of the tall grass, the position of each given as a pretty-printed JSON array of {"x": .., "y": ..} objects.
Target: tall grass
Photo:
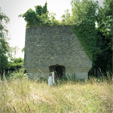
[{"x": 21, "y": 95}]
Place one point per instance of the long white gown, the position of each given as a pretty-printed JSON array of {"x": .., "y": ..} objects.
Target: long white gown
[{"x": 50, "y": 81}]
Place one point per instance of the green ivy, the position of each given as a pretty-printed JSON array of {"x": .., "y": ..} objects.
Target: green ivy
[{"x": 84, "y": 15}]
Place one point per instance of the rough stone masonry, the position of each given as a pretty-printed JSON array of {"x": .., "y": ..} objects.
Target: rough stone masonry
[{"x": 54, "y": 49}]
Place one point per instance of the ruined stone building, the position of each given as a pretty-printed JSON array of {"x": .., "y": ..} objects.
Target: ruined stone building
[{"x": 54, "y": 48}]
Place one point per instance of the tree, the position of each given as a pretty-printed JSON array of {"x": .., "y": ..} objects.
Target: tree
[
  {"x": 39, "y": 16},
  {"x": 96, "y": 41},
  {"x": 15, "y": 64},
  {"x": 53, "y": 20},
  {"x": 66, "y": 18},
  {"x": 4, "y": 46},
  {"x": 84, "y": 16},
  {"x": 36, "y": 17},
  {"x": 31, "y": 18},
  {"x": 105, "y": 30},
  {"x": 105, "y": 18}
]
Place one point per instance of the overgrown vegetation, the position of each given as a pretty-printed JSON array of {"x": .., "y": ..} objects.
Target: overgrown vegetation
[
  {"x": 15, "y": 64},
  {"x": 92, "y": 25},
  {"x": 7, "y": 60},
  {"x": 104, "y": 36},
  {"x": 19, "y": 94},
  {"x": 4, "y": 46},
  {"x": 67, "y": 18},
  {"x": 39, "y": 16},
  {"x": 96, "y": 40},
  {"x": 84, "y": 16}
]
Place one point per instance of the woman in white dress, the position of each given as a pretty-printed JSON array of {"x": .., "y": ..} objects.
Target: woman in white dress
[{"x": 50, "y": 80}]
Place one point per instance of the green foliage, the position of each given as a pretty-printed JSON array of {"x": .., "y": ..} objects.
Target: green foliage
[
  {"x": 15, "y": 75},
  {"x": 105, "y": 32},
  {"x": 41, "y": 10},
  {"x": 15, "y": 64},
  {"x": 23, "y": 49},
  {"x": 96, "y": 40},
  {"x": 66, "y": 18},
  {"x": 39, "y": 16},
  {"x": 4, "y": 46},
  {"x": 84, "y": 15},
  {"x": 105, "y": 18},
  {"x": 53, "y": 20},
  {"x": 87, "y": 36},
  {"x": 31, "y": 18},
  {"x": 86, "y": 9}
]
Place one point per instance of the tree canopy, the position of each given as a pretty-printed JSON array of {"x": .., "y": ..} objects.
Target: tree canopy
[
  {"x": 105, "y": 33},
  {"x": 84, "y": 17},
  {"x": 96, "y": 40},
  {"x": 39, "y": 16},
  {"x": 4, "y": 46}
]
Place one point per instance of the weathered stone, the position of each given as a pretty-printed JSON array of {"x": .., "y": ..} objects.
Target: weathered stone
[{"x": 48, "y": 46}]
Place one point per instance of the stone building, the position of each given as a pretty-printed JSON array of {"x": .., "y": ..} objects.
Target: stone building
[{"x": 54, "y": 49}]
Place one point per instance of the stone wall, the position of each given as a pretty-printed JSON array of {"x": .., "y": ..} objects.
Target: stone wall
[{"x": 54, "y": 45}]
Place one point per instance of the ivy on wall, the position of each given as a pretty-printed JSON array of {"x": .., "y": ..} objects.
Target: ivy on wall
[
  {"x": 84, "y": 15},
  {"x": 92, "y": 24}
]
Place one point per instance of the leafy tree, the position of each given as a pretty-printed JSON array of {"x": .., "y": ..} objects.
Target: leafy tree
[
  {"x": 53, "y": 20},
  {"x": 39, "y": 16},
  {"x": 36, "y": 17},
  {"x": 105, "y": 18},
  {"x": 39, "y": 10},
  {"x": 45, "y": 10},
  {"x": 15, "y": 64},
  {"x": 4, "y": 46},
  {"x": 84, "y": 16},
  {"x": 97, "y": 41},
  {"x": 105, "y": 30},
  {"x": 67, "y": 19},
  {"x": 31, "y": 18}
]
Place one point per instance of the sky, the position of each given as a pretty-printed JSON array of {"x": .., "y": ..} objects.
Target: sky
[{"x": 17, "y": 25}]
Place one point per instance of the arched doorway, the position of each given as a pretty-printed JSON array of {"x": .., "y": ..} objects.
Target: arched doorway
[{"x": 59, "y": 71}]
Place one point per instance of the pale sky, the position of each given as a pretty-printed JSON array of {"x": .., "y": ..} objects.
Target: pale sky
[{"x": 16, "y": 26}]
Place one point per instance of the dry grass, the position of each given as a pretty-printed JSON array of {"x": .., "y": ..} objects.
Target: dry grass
[{"x": 26, "y": 96}]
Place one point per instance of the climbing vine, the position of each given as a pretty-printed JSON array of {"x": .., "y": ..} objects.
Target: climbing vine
[{"x": 84, "y": 15}]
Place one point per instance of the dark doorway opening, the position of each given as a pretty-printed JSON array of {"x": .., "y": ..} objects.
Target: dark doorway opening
[{"x": 58, "y": 70}]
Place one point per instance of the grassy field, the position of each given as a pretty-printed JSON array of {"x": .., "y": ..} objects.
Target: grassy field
[{"x": 21, "y": 95}]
